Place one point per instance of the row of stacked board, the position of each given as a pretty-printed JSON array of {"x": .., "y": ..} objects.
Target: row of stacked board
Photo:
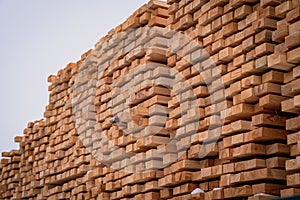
[{"x": 184, "y": 96}]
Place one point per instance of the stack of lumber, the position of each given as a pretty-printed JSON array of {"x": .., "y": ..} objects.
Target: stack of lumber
[
  {"x": 185, "y": 95},
  {"x": 128, "y": 107},
  {"x": 245, "y": 42},
  {"x": 288, "y": 60},
  {"x": 10, "y": 176}
]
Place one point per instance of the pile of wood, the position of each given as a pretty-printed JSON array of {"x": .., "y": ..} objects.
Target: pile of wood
[{"x": 185, "y": 95}]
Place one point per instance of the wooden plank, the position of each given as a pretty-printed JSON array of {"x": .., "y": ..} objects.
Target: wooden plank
[
  {"x": 293, "y": 56},
  {"x": 293, "y": 124},
  {"x": 268, "y": 120},
  {"x": 248, "y": 150},
  {"x": 279, "y": 61},
  {"x": 289, "y": 192},
  {"x": 293, "y": 180}
]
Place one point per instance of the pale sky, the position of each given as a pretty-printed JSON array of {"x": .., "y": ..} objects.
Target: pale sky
[{"x": 39, "y": 37}]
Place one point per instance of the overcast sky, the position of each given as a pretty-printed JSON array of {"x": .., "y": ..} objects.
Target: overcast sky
[{"x": 39, "y": 37}]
